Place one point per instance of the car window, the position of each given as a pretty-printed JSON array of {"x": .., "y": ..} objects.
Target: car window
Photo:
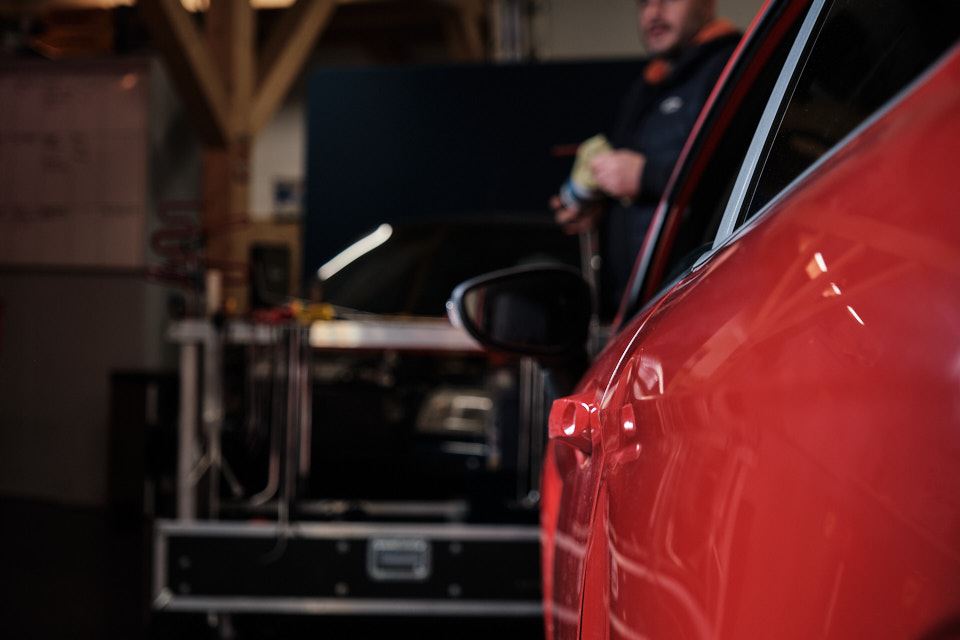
[
  {"x": 470, "y": 251},
  {"x": 865, "y": 52},
  {"x": 707, "y": 178},
  {"x": 380, "y": 279},
  {"x": 697, "y": 224},
  {"x": 411, "y": 270}
]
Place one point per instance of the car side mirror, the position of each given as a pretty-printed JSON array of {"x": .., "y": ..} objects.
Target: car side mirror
[{"x": 540, "y": 311}]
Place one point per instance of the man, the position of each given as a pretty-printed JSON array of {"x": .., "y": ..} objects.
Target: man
[{"x": 688, "y": 48}]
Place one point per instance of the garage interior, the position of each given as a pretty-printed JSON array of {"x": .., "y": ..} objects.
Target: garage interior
[{"x": 173, "y": 173}]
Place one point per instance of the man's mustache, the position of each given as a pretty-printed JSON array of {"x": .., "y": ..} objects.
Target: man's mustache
[{"x": 658, "y": 25}]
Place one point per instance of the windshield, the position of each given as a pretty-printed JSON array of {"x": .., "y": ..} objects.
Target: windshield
[{"x": 412, "y": 269}]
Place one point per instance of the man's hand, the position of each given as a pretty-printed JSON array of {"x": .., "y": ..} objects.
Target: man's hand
[
  {"x": 574, "y": 221},
  {"x": 618, "y": 172}
]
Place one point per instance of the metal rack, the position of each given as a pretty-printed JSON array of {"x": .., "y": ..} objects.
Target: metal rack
[{"x": 388, "y": 567}]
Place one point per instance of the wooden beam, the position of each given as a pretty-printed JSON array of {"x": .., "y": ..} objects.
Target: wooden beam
[
  {"x": 476, "y": 13},
  {"x": 472, "y": 37},
  {"x": 231, "y": 35},
  {"x": 462, "y": 30},
  {"x": 244, "y": 54},
  {"x": 191, "y": 66},
  {"x": 288, "y": 48}
]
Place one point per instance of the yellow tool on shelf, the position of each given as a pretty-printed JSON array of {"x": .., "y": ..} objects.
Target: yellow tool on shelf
[{"x": 308, "y": 312}]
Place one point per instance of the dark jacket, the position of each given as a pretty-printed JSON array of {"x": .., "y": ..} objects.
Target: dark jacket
[{"x": 655, "y": 119}]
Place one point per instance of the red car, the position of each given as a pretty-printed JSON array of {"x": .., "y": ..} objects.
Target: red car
[{"x": 769, "y": 444}]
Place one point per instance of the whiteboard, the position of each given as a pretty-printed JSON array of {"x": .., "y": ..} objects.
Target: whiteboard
[{"x": 73, "y": 164}]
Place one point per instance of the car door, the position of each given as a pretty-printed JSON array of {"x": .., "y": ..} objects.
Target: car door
[{"x": 779, "y": 435}]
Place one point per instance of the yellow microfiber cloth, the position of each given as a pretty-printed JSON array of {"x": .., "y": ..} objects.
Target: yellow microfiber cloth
[
  {"x": 581, "y": 186},
  {"x": 582, "y": 174}
]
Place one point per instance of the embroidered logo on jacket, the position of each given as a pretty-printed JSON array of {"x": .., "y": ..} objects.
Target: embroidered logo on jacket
[{"x": 671, "y": 105}]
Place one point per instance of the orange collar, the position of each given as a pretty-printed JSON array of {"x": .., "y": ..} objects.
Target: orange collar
[{"x": 659, "y": 69}]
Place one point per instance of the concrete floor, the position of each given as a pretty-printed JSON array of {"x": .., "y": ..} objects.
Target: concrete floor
[{"x": 67, "y": 572}]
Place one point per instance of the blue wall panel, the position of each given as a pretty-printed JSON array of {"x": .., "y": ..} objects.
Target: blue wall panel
[{"x": 390, "y": 144}]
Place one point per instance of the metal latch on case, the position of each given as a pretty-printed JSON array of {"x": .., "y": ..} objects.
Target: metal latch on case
[{"x": 398, "y": 560}]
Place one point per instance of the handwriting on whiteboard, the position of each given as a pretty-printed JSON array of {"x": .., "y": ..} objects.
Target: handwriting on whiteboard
[{"x": 73, "y": 165}]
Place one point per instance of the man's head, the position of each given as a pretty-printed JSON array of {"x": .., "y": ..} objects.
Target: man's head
[{"x": 668, "y": 25}]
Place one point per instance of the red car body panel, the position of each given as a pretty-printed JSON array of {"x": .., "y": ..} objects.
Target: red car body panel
[{"x": 771, "y": 449}]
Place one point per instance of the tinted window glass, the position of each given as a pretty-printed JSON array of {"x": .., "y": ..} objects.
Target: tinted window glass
[
  {"x": 417, "y": 267},
  {"x": 382, "y": 279},
  {"x": 864, "y": 54},
  {"x": 700, "y": 220},
  {"x": 470, "y": 251}
]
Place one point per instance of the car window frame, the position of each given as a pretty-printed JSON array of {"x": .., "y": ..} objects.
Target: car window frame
[
  {"x": 639, "y": 285},
  {"x": 736, "y": 222},
  {"x": 782, "y": 91}
]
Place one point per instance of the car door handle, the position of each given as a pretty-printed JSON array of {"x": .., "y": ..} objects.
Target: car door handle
[{"x": 573, "y": 421}]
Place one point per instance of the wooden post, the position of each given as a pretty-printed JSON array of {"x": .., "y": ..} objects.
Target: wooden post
[
  {"x": 229, "y": 99},
  {"x": 230, "y": 35}
]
